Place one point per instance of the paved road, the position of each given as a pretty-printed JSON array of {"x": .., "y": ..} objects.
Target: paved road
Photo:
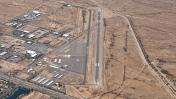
[
  {"x": 52, "y": 92},
  {"x": 99, "y": 47},
  {"x": 47, "y": 90},
  {"x": 87, "y": 44},
  {"x": 35, "y": 87}
]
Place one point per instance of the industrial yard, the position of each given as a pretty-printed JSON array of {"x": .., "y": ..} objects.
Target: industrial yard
[{"x": 87, "y": 49}]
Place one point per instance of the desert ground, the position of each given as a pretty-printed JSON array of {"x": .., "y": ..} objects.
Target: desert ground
[
  {"x": 126, "y": 76},
  {"x": 36, "y": 95}
]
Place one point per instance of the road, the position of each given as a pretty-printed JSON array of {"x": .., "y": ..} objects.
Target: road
[
  {"x": 99, "y": 47},
  {"x": 35, "y": 87},
  {"x": 87, "y": 45},
  {"x": 160, "y": 77}
]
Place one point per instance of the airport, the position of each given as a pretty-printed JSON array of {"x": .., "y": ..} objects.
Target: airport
[{"x": 52, "y": 50}]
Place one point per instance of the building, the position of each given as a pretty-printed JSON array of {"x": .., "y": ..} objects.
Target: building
[{"x": 33, "y": 54}]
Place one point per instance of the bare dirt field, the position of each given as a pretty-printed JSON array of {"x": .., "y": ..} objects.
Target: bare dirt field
[
  {"x": 126, "y": 77},
  {"x": 36, "y": 95},
  {"x": 159, "y": 42},
  {"x": 10, "y": 9},
  {"x": 154, "y": 22}
]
